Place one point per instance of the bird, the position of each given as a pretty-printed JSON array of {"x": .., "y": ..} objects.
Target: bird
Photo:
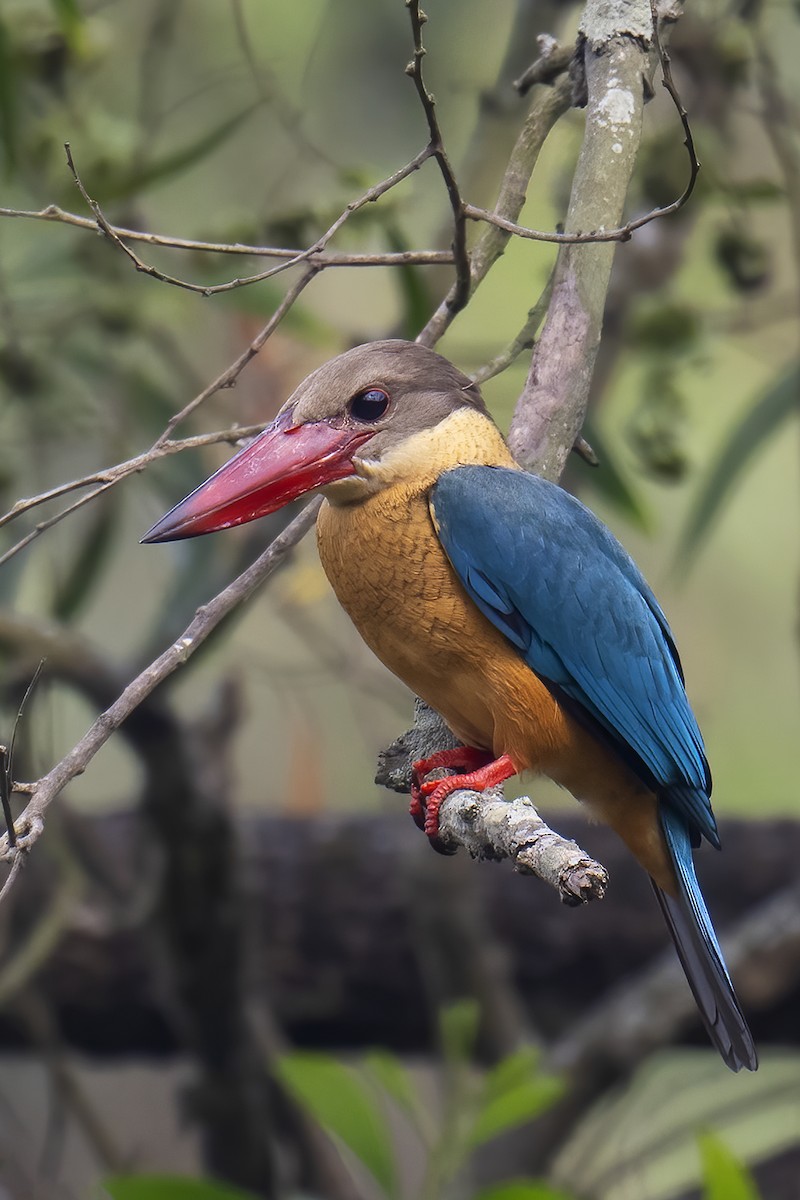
[{"x": 505, "y": 604}]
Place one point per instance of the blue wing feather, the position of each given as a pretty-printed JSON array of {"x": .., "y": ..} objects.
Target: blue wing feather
[{"x": 556, "y": 582}]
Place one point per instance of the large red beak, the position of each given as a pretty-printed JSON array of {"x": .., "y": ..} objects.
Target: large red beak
[{"x": 282, "y": 463}]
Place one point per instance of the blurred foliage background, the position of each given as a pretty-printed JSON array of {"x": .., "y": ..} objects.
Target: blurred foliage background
[{"x": 257, "y": 123}]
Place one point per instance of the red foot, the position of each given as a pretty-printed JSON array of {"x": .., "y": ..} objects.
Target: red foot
[
  {"x": 490, "y": 772},
  {"x": 463, "y": 757}
]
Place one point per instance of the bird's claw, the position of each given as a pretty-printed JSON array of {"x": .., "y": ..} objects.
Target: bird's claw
[
  {"x": 482, "y": 771},
  {"x": 427, "y": 795}
]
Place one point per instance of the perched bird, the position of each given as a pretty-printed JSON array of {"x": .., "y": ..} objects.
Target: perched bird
[{"x": 505, "y": 604}]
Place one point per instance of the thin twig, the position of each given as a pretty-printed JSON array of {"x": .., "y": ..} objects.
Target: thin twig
[
  {"x": 5, "y": 794},
  {"x": 7, "y": 759},
  {"x": 461, "y": 290},
  {"x": 17, "y": 863},
  {"x": 621, "y": 233},
  {"x": 131, "y": 466},
  {"x": 42, "y": 526},
  {"x": 372, "y": 194},
  {"x": 30, "y": 823},
  {"x": 229, "y": 376},
  {"x": 547, "y": 107},
  {"x": 523, "y": 341},
  {"x": 325, "y": 259},
  {"x": 226, "y": 379}
]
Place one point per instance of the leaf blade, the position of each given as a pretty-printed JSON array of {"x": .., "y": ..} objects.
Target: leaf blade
[
  {"x": 776, "y": 405},
  {"x": 345, "y": 1107},
  {"x": 521, "y": 1189},
  {"x": 724, "y": 1176},
  {"x": 170, "y": 1187}
]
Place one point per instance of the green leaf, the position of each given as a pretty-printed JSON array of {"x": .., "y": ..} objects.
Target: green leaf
[
  {"x": 779, "y": 402},
  {"x": 521, "y": 1189},
  {"x": 172, "y": 164},
  {"x": 394, "y": 1079},
  {"x": 511, "y": 1071},
  {"x": 516, "y": 1106},
  {"x": 724, "y": 1177},
  {"x": 458, "y": 1029},
  {"x": 170, "y": 1187},
  {"x": 343, "y": 1104}
]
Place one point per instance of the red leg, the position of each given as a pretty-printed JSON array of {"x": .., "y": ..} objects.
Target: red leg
[
  {"x": 465, "y": 757},
  {"x": 488, "y": 775}
]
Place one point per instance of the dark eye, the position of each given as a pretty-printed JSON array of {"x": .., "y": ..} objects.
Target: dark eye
[{"x": 369, "y": 405}]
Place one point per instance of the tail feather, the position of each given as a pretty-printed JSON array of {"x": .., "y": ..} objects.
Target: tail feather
[{"x": 698, "y": 949}]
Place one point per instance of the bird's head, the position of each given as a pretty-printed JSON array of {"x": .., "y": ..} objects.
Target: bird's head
[{"x": 340, "y": 432}]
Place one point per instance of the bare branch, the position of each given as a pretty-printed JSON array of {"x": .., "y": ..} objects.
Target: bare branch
[
  {"x": 522, "y": 342},
  {"x": 17, "y": 863},
  {"x": 30, "y": 824},
  {"x": 624, "y": 232},
  {"x": 488, "y": 826},
  {"x": 131, "y": 466},
  {"x": 60, "y": 216},
  {"x": 304, "y": 256},
  {"x": 42, "y": 526},
  {"x": 461, "y": 288},
  {"x": 553, "y": 60},
  {"x": 548, "y": 105},
  {"x": 552, "y": 406}
]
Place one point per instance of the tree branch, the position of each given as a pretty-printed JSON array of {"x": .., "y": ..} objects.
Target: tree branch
[
  {"x": 323, "y": 259},
  {"x": 489, "y": 827},
  {"x": 130, "y": 467},
  {"x": 370, "y": 196},
  {"x": 552, "y": 406},
  {"x": 548, "y": 105},
  {"x": 30, "y": 823},
  {"x": 461, "y": 288}
]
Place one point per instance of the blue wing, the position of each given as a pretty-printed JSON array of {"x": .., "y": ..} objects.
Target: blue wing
[{"x": 556, "y": 582}]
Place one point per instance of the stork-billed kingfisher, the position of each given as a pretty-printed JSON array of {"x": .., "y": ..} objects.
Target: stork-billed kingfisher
[{"x": 505, "y": 604}]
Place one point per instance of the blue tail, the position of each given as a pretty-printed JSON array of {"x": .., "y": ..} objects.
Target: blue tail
[{"x": 699, "y": 952}]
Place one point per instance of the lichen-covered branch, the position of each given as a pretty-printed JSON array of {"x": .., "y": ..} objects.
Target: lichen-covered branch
[
  {"x": 616, "y": 42},
  {"x": 488, "y": 826}
]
